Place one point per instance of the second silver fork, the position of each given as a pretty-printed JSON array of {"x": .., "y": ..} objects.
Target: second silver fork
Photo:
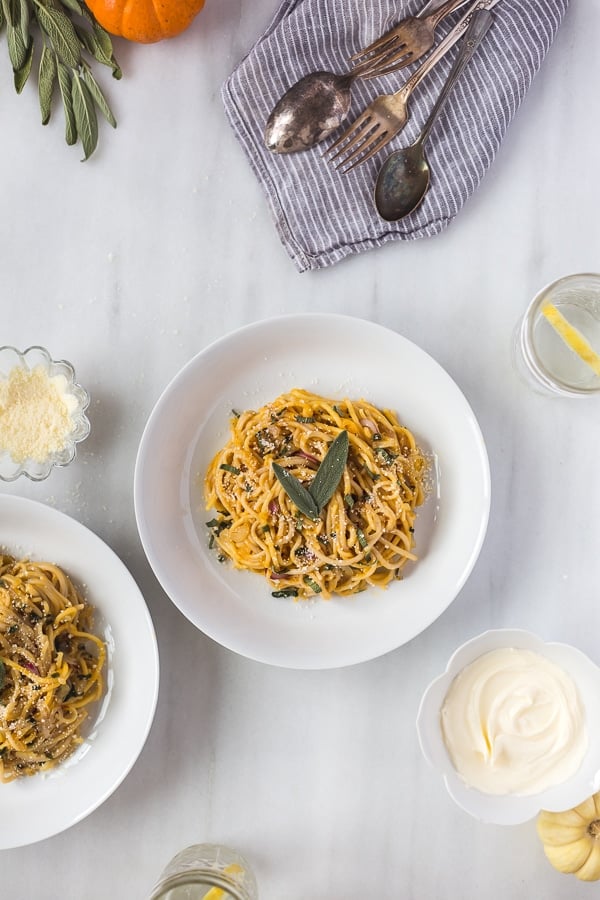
[{"x": 409, "y": 40}]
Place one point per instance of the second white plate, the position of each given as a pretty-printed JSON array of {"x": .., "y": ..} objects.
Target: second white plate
[
  {"x": 42, "y": 805},
  {"x": 335, "y": 356}
]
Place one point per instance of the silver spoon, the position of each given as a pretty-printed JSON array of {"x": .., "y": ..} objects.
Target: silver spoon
[
  {"x": 316, "y": 106},
  {"x": 310, "y": 111},
  {"x": 404, "y": 177}
]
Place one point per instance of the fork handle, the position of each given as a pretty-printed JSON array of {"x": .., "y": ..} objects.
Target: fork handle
[
  {"x": 432, "y": 7},
  {"x": 480, "y": 22},
  {"x": 436, "y": 15},
  {"x": 442, "y": 48}
]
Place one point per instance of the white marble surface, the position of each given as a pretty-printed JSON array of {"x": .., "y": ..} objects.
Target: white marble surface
[{"x": 130, "y": 264}]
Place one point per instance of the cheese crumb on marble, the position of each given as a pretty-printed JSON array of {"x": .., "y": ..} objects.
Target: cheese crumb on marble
[{"x": 35, "y": 414}]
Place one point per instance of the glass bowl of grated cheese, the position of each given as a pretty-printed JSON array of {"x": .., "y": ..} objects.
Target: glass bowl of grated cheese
[{"x": 42, "y": 413}]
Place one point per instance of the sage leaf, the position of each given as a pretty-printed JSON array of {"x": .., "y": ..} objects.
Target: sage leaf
[
  {"x": 2, "y": 18},
  {"x": 298, "y": 494},
  {"x": 285, "y": 592},
  {"x": 362, "y": 540},
  {"x": 330, "y": 471},
  {"x": 17, "y": 50},
  {"x": 103, "y": 37},
  {"x": 22, "y": 74},
  {"x": 61, "y": 31},
  {"x": 104, "y": 40},
  {"x": 85, "y": 115},
  {"x": 10, "y": 12},
  {"x": 88, "y": 40},
  {"x": 99, "y": 97},
  {"x": 101, "y": 51},
  {"x": 2, "y": 674},
  {"x": 312, "y": 584},
  {"x": 24, "y": 21},
  {"x": 64, "y": 83},
  {"x": 233, "y": 470},
  {"x": 46, "y": 80},
  {"x": 73, "y": 5}
]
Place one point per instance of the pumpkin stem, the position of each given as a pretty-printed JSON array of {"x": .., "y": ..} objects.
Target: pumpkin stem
[{"x": 594, "y": 829}]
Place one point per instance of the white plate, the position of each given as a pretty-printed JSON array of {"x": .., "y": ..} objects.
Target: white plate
[
  {"x": 335, "y": 356},
  {"x": 40, "y": 806}
]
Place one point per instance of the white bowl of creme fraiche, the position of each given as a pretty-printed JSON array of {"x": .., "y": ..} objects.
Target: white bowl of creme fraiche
[{"x": 513, "y": 725}]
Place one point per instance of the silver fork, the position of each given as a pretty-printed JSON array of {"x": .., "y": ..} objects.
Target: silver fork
[
  {"x": 408, "y": 41},
  {"x": 387, "y": 115}
]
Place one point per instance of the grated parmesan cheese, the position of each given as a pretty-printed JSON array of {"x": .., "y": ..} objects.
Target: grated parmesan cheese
[{"x": 35, "y": 414}]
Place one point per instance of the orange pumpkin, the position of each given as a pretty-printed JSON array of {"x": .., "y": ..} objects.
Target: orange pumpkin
[{"x": 145, "y": 21}]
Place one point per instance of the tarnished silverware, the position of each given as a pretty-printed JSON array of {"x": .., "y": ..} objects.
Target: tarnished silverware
[
  {"x": 313, "y": 108},
  {"x": 387, "y": 115},
  {"x": 408, "y": 41},
  {"x": 404, "y": 177}
]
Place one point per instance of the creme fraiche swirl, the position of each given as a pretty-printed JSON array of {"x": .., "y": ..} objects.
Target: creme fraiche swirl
[{"x": 513, "y": 723}]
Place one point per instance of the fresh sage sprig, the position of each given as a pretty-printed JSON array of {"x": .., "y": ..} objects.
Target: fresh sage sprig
[
  {"x": 69, "y": 40},
  {"x": 312, "y": 500}
]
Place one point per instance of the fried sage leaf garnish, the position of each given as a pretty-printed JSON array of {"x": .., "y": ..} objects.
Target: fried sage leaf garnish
[
  {"x": 298, "y": 494},
  {"x": 312, "y": 500}
]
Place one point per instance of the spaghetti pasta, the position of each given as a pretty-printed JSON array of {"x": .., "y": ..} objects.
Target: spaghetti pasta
[
  {"x": 364, "y": 534},
  {"x": 50, "y": 666}
]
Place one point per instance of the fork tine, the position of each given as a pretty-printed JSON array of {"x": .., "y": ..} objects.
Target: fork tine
[
  {"x": 374, "y": 148},
  {"x": 374, "y": 47},
  {"x": 355, "y": 145},
  {"x": 353, "y": 133},
  {"x": 392, "y": 64},
  {"x": 387, "y": 63},
  {"x": 364, "y": 69},
  {"x": 365, "y": 149}
]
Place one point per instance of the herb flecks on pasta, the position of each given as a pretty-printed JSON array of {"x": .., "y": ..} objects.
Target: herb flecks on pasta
[
  {"x": 362, "y": 536},
  {"x": 50, "y": 666}
]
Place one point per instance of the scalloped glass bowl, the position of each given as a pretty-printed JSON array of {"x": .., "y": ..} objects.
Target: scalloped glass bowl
[
  {"x": 29, "y": 359},
  {"x": 512, "y": 809}
]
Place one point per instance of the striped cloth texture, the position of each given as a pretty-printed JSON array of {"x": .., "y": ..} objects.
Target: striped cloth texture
[{"x": 322, "y": 216}]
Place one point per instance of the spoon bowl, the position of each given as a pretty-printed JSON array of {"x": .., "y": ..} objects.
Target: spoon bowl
[
  {"x": 402, "y": 183},
  {"x": 309, "y": 112}
]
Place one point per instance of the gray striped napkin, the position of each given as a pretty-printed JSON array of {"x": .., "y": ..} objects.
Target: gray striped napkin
[{"x": 322, "y": 216}]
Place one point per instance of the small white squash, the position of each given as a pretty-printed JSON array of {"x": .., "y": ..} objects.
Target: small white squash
[{"x": 571, "y": 839}]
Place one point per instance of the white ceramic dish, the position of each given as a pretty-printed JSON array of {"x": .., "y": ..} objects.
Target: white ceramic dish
[
  {"x": 336, "y": 356},
  {"x": 42, "y": 805},
  {"x": 512, "y": 810}
]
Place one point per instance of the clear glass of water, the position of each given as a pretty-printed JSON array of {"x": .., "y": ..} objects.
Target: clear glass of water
[
  {"x": 206, "y": 872},
  {"x": 565, "y": 365}
]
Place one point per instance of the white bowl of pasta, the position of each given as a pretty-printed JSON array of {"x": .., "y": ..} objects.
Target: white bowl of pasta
[
  {"x": 73, "y": 626},
  {"x": 288, "y": 553}
]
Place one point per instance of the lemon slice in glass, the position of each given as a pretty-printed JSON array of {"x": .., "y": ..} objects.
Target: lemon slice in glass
[
  {"x": 572, "y": 337},
  {"x": 216, "y": 893}
]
